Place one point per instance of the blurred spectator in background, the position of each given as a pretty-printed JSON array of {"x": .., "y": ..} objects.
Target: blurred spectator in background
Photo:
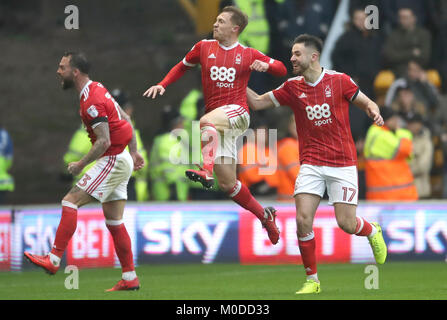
[
  {"x": 417, "y": 81},
  {"x": 137, "y": 188},
  {"x": 439, "y": 138},
  {"x": 288, "y": 162},
  {"x": 272, "y": 14},
  {"x": 361, "y": 61},
  {"x": 256, "y": 35},
  {"x": 359, "y": 146},
  {"x": 303, "y": 16},
  {"x": 437, "y": 23},
  {"x": 407, "y": 42},
  {"x": 421, "y": 161},
  {"x": 6, "y": 157},
  {"x": 192, "y": 108},
  {"x": 406, "y": 104},
  {"x": 78, "y": 147},
  {"x": 168, "y": 180},
  {"x": 388, "y": 150},
  {"x": 255, "y": 156},
  {"x": 389, "y": 11},
  {"x": 363, "y": 4}
]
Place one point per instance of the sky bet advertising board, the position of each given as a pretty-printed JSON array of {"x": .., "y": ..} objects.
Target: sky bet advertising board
[
  {"x": 5, "y": 240},
  {"x": 221, "y": 232},
  {"x": 202, "y": 234}
]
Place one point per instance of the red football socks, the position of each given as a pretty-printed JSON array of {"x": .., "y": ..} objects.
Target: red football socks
[
  {"x": 242, "y": 196},
  {"x": 66, "y": 228},
  {"x": 307, "y": 249},
  {"x": 123, "y": 246},
  {"x": 209, "y": 142},
  {"x": 363, "y": 228}
]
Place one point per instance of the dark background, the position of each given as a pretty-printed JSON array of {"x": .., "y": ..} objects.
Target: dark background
[{"x": 131, "y": 44}]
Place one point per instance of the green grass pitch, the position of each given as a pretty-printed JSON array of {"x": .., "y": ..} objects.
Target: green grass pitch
[{"x": 397, "y": 280}]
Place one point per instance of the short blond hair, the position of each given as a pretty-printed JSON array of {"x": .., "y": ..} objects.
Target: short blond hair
[{"x": 237, "y": 17}]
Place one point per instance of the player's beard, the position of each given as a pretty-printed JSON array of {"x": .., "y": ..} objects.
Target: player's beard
[
  {"x": 301, "y": 69},
  {"x": 67, "y": 83}
]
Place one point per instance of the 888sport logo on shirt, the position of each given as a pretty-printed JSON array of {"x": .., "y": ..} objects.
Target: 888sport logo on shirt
[
  {"x": 320, "y": 113},
  {"x": 223, "y": 74}
]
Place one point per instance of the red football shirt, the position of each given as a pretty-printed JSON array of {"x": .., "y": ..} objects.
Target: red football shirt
[
  {"x": 322, "y": 117},
  {"x": 98, "y": 105},
  {"x": 225, "y": 71}
]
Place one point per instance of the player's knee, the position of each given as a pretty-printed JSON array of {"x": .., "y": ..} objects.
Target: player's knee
[
  {"x": 226, "y": 186},
  {"x": 303, "y": 224},
  {"x": 72, "y": 200},
  {"x": 77, "y": 197}
]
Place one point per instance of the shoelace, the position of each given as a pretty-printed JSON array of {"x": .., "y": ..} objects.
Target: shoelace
[{"x": 268, "y": 215}]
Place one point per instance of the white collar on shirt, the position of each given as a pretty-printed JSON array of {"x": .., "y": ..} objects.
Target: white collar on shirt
[
  {"x": 234, "y": 45},
  {"x": 85, "y": 87},
  {"x": 323, "y": 71}
]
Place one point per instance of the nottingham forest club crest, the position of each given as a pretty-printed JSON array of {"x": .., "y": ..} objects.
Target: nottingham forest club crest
[
  {"x": 238, "y": 59},
  {"x": 328, "y": 92}
]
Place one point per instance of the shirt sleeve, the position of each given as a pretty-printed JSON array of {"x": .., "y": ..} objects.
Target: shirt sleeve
[
  {"x": 95, "y": 114},
  {"x": 349, "y": 87},
  {"x": 276, "y": 67},
  {"x": 193, "y": 56},
  {"x": 190, "y": 60},
  {"x": 281, "y": 95}
]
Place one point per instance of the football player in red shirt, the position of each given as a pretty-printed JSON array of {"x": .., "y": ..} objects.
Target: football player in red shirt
[
  {"x": 110, "y": 131},
  {"x": 320, "y": 101},
  {"x": 226, "y": 67}
]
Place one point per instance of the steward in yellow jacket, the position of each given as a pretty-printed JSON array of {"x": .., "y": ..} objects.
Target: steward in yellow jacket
[{"x": 388, "y": 150}]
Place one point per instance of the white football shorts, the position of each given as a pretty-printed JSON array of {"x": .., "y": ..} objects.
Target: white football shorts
[
  {"x": 239, "y": 122},
  {"x": 341, "y": 182},
  {"x": 107, "y": 179}
]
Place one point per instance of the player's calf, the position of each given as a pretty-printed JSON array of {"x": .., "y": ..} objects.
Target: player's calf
[{"x": 348, "y": 226}]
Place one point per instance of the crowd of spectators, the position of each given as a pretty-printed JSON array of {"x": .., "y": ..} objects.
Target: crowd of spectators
[{"x": 400, "y": 65}]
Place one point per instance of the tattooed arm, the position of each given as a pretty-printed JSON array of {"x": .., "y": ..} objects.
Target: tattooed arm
[{"x": 100, "y": 146}]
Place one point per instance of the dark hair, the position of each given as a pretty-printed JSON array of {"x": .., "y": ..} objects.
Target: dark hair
[
  {"x": 415, "y": 117},
  {"x": 237, "y": 17},
  {"x": 387, "y": 113},
  {"x": 78, "y": 60},
  {"x": 415, "y": 62},
  {"x": 310, "y": 41}
]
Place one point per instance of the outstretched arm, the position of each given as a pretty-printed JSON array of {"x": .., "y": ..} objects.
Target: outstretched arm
[
  {"x": 369, "y": 106},
  {"x": 173, "y": 75},
  {"x": 257, "y": 102}
]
